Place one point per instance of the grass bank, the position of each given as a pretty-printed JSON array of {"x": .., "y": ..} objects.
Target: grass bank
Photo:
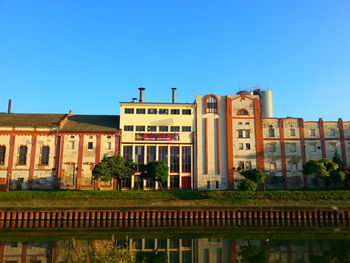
[{"x": 88, "y": 200}]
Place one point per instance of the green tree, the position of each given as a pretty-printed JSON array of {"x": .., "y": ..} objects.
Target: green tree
[
  {"x": 114, "y": 167},
  {"x": 252, "y": 178},
  {"x": 336, "y": 158},
  {"x": 324, "y": 169},
  {"x": 155, "y": 170}
]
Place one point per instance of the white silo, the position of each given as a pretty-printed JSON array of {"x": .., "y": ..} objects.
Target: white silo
[{"x": 266, "y": 104}]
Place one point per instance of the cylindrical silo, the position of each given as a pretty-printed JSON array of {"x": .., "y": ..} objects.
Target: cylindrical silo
[{"x": 266, "y": 104}]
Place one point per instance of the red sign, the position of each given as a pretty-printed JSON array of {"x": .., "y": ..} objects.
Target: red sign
[{"x": 157, "y": 137}]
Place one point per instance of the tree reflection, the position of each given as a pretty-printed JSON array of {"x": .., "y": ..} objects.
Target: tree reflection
[
  {"x": 337, "y": 252},
  {"x": 253, "y": 254}
]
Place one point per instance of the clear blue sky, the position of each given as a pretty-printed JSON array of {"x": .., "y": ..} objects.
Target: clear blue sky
[{"x": 86, "y": 56}]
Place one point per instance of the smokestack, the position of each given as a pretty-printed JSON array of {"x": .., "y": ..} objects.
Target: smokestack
[
  {"x": 142, "y": 93},
  {"x": 173, "y": 96},
  {"x": 9, "y": 106}
]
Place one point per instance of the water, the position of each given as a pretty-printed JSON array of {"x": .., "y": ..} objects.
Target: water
[{"x": 213, "y": 243}]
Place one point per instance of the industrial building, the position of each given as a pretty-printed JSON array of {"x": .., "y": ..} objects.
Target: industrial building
[{"x": 203, "y": 143}]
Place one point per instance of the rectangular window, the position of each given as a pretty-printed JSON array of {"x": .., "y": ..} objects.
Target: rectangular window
[
  {"x": 163, "y": 111},
  {"x": 240, "y": 123},
  {"x": 175, "y": 111},
  {"x": 90, "y": 145},
  {"x": 240, "y": 146},
  {"x": 129, "y": 111},
  {"x": 271, "y": 132},
  {"x": 186, "y": 128},
  {"x": 312, "y": 132},
  {"x": 22, "y": 155},
  {"x": 109, "y": 146},
  {"x": 248, "y": 165},
  {"x": 247, "y": 134},
  {"x": 273, "y": 147},
  {"x": 2, "y": 154},
  {"x": 247, "y": 123},
  {"x": 240, "y": 134},
  {"x": 247, "y": 146},
  {"x": 186, "y": 112},
  {"x": 139, "y": 156},
  {"x": 208, "y": 184},
  {"x": 175, "y": 128},
  {"x": 45, "y": 153},
  {"x": 241, "y": 164},
  {"x": 128, "y": 128},
  {"x": 313, "y": 147},
  {"x": 174, "y": 181},
  {"x": 152, "y": 111},
  {"x": 151, "y": 153},
  {"x": 140, "y": 111},
  {"x": 174, "y": 159},
  {"x": 186, "y": 159},
  {"x": 292, "y": 132},
  {"x": 151, "y": 128},
  {"x": 140, "y": 128},
  {"x": 127, "y": 152},
  {"x": 163, "y": 153},
  {"x": 294, "y": 167},
  {"x": 163, "y": 128},
  {"x": 293, "y": 147},
  {"x": 331, "y": 132},
  {"x": 71, "y": 145},
  {"x": 217, "y": 184}
]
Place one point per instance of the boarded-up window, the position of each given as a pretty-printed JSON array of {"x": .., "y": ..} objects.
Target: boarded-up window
[
  {"x": 2, "y": 154},
  {"x": 22, "y": 155},
  {"x": 45, "y": 153}
]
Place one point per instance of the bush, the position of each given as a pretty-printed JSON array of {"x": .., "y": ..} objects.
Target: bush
[{"x": 247, "y": 185}]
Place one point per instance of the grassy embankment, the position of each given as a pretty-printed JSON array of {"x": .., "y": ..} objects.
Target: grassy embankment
[{"x": 157, "y": 200}]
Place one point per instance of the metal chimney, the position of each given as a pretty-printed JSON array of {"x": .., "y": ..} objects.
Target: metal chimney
[
  {"x": 173, "y": 95},
  {"x": 9, "y": 106},
  {"x": 142, "y": 93}
]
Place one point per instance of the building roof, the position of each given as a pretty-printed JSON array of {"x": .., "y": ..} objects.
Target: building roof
[
  {"x": 91, "y": 123},
  {"x": 157, "y": 103},
  {"x": 30, "y": 120}
]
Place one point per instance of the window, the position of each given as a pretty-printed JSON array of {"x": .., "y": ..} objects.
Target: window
[
  {"x": 291, "y": 132},
  {"x": 247, "y": 123},
  {"x": 174, "y": 181},
  {"x": 151, "y": 128},
  {"x": 72, "y": 137},
  {"x": 242, "y": 112},
  {"x": 163, "y": 128},
  {"x": 292, "y": 147},
  {"x": 109, "y": 137},
  {"x": 247, "y": 146},
  {"x": 175, "y": 111},
  {"x": 151, "y": 153},
  {"x": 140, "y": 111},
  {"x": 175, "y": 128},
  {"x": 128, "y": 128},
  {"x": 139, "y": 156},
  {"x": 272, "y": 147},
  {"x": 212, "y": 104},
  {"x": 125, "y": 182},
  {"x": 312, "y": 132},
  {"x": 273, "y": 167},
  {"x": 186, "y": 112},
  {"x": 2, "y": 154},
  {"x": 240, "y": 146},
  {"x": 109, "y": 146},
  {"x": 45, "y": 153},
  {"x": 332, "y": 147},
  {"x": 186, "y": 159},
  {"x": 186, "y": 128},
  {"x": 208, "y": 184},
  {"x": 90, "y": 145},
  {"x": 129, "y": 111},
  {"x": 217, "y": 184},
  {"x": 152, "y": 111},
  {"x": 248, "y": 165},
  {"x": 127, "y": 152},
  {"x": 71, "y": 145},
  {"x": 247, "y": 134},
  {"x": 313, "y": 147},
  {"x": 240, "y": 123},
  {"x": 294, "y": 167},
  {"x": 163, "y": 153},
  {"x": 331, "y": 132},
  {"x": 240, "y": 134},
  {"x": 22, "y": 155},
  {"x": 163, "y": 111},
  {"x": 138, "y": 182},
  {"x": 174, "y": 159},
  {"x": 140, "y": 128},
  {"x": 241, "y": 164},
  {"x": 271, "y": 132}
]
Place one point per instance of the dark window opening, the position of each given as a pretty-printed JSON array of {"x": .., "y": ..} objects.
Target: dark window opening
[
  {"x": 175, "y": 111},
  {"x": 140, "y": 111},
  {"x": 212, "y": 105},
  {"x": 242, "y": 112},
  {"x": 45, "y": 152},
  {"x": 129, "y": 111},
  {"x": 90, "y": 145},
  {"x": 127, "y": 152},
  {"x": 174, "y": 159},
  {"x": 186, "y": 159},
  {"x": 22, "y": 155},
  {"x": 2, "y": 154}
]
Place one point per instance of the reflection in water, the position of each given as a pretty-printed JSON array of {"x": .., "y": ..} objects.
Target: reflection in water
[{"x": 176, "y": 250}]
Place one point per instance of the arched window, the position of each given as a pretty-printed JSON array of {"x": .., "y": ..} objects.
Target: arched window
[
  {"x": 212, "y": 104},
  {"x": 242, "y": 112}
]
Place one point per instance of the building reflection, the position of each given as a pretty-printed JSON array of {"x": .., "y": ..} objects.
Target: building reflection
[{"x": 202, "y": 250}]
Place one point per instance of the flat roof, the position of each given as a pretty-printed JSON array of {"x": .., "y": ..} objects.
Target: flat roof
[{"x": 156, "y": 103}]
